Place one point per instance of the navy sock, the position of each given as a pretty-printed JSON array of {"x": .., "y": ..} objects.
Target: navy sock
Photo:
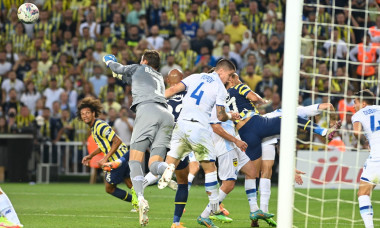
[
  {"x": 306, "y": 125},
  {"x": 123, "y": 195},
  {"x": 180, "y": 201},
  {"x": 257, "y": 183}
]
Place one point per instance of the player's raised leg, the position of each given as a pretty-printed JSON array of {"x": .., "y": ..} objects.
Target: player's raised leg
[
  {"x": 7, "y": 210},
  {"x": 193, "y": 169}
]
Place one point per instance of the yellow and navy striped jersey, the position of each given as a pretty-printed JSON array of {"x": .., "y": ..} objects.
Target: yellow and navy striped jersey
[
  {"x": 103, "y": 135},
  {"x": 237, "y": 101}
]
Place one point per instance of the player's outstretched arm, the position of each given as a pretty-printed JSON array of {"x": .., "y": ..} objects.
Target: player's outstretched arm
[
  {"x": 255, "y": 98},
  {"x": 224, "y": 116},
  {"x": 116, "y": 141},
  {"x": 358, "y": 133},
  {"x": 219, "y": 130},
  {"x": 119, "y": 71},
  {"x": 179, "y": 87}
]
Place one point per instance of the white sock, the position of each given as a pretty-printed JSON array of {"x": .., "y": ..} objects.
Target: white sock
[
  {"x": 190, "y": 179},
  {"x": 206, "y": 212},
  {"x": 250, "y": 190},
  {"x": 366, "y": 210},
  {"x": 264, "y": 193},
  {"x": 222, "y": 195},
  {"x": 150, "y": 179},
  {"x": 6, "y": 208},
  {"x": 212, "y": 190}
]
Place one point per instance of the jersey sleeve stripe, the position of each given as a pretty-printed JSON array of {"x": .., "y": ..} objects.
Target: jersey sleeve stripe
[
  {"x": 245, "y": 92},
  {"x": 184, "y": 85},
  {"x": 111, "y": 135}
]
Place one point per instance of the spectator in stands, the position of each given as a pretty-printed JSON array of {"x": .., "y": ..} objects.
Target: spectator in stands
[
  {"x": 98, "y": 52},
  {"x": 268, "y": 25},
  {"x": 345, "y": 33},
  {"x": 112, "y": 116},
  {"x": 35, "y": 75},
  {"x": 200, "y": 41},
  {"x": 267, "y": 81},
  {"x": 86, "y": 41},
  {"x": 91, "y": 24},
  {"x": 13, "y": 102},
  {"x": 227, "y": 54},
  {"x": 133, "y": 16},
  {"x": 11, "y": 120},
  {"x": 52, "y": 93},
  {"x": 276, "y": 48},
  {"x": 111, "y": 103},
  {"x": 275, "y": 104},
  {"x": 186, "y": 57},
  {"x": 56, "y": 112},
  {"x": 24, "y": 119},
  {"x": 213, "y": 25},
  {"x": 112, "y": 86},
  {"x": 336, "y": 49},
  {"x": 123, "y": 126},
  {"x": 280, "y": 30},
  {"x": 166, "y": 29},
  {"x": 374, "y": 32},
  {"x": 86, "y": 64},
  {"x": 205, "y": 59},
  {"x": 118, "y": 29},
  {"x": 30, "y": 97},
  {"x": 98, "y": 80},
  {"x": 198, "y": 16},
  {"x": 21, "y": 67},
  {"x": 12, "y": 82},
  {"x": 250, "y": 78},
  {"x": 64, "y": 134},
  {"x": 5, "y": 66},
  {"x": 273, "y": 65},
  {"x": 64, "y": 102},
  {"x": 189, "y": 28},
  {"x": 346, "y": 104},
  {"x": 40, "y": 105},
  {"x": 11, "y": 56},
  {"x": 45, "y": 63},
  {"x": 153, "y": 13},
  {"x": 235, "y": 29},
  {"x": 68, "y": 24},
  {"x": 313, "y": 98},
  {"x": 177, "y": 40},
  {"x": 72, "y": 94},
  {"x": 156, "y": 42},
  {"x": 170, "y": 58},
  {"x": 133, "y": 37}
]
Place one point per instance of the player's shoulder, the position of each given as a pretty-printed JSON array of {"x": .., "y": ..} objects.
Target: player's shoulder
[{"x": 100, "y": 123}]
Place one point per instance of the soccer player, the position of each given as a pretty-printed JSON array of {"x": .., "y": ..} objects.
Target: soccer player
[
  {"x": 108, "y": 143},
  {"x": 253, "y": 128},
  {"x": 150, "y": 131},
  {"x": 367, "y": 119},
  {"x": 269, "y": 151},
  {"x": 192, "y": 132},
  {"x": 8, "y": 216}
]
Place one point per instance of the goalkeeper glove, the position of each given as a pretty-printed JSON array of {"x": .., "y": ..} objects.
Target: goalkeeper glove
[{"x": 109, "y": 58}]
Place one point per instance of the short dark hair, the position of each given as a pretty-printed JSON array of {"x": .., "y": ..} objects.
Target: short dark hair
[
  {"x": 93, "y": 104},
  {"x": 366, "y": 95},
  {"x": 225, "y": 64},
  {"x": 153, "y": 58}
]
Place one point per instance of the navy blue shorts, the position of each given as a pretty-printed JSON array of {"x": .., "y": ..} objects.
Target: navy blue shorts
[
  {"x": 257, "y": 128},
  {"x": 117, "y": 176},
  {"x": 183, "y": 164}
]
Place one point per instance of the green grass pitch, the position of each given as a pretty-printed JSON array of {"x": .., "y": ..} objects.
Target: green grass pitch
[{"x": 84, "y": 205}]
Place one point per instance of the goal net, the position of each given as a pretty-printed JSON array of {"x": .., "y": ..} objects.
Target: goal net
[{"x": 340, "y": 47}]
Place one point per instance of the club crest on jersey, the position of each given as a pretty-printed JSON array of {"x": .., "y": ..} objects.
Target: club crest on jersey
[
  {"x": 235, "y": 162},
  {"x": 108, "y": 132}
]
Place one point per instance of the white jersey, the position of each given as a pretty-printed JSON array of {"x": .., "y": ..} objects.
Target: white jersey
[
  {"x": 369, "y": 117},
  {"x": 222, "y": 145},
  {"x": 204, "y": 91},
  {"x": 302, "y": 111}
]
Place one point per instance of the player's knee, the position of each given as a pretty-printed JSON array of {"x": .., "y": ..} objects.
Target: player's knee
[
  {"x": 110, "y": 189},
  {"x": 154, "y": 168},
  {"x": 228, "y": 186},
  {"x": 160, "y": 151}
]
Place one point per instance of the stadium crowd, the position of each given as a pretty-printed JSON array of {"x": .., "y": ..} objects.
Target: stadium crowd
[{"x": 47, "y": 67}]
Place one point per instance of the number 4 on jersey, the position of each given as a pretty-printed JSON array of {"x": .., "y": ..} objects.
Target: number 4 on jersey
[
  {"x": 199, "y": 96},
  {"x": 373, "y": 129}
]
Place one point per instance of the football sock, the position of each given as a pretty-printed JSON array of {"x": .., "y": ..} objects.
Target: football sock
[
  {"x": 222, "y": 195},
  {"x": 6, "y": 208},
  {"x": 190, "y": 179},
  {"x": 158, "y": 168},
  {"x": 150, "y": 179},
  {"x": 250, "y": 190},
  {"x": 366, "y": 210},
  {"x": 211, "y": 186},
  {"x": 264, "y": 193},
  {"x": 180, "y": 202},
  {"x": 306, "y": 125},
  {"x": 123, "y": 195},
  {"x": 137, "y": 177}
]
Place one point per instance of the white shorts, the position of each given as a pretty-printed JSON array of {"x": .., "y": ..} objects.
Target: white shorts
[
  {"x": 371, "y": 171},
  {"x": 192, "y": 136},
  {"x": 192, "y": 157},
  {"x": 228, "y": 166},
  {"x": 242, "y": 158},
  {"x": 268, "y": 151}
]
